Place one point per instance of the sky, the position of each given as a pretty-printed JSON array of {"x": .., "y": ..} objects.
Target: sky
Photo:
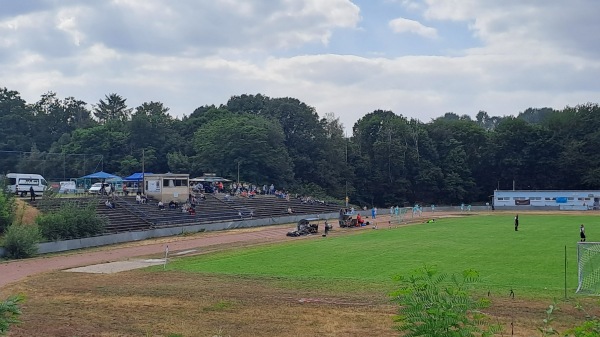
[{"x": 417, "y": 58}]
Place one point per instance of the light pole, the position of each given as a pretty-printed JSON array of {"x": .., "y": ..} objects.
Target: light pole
[{"x": 346, "y": 139}]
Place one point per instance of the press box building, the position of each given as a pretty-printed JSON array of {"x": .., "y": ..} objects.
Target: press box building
[{"x": 556, "y": 199}]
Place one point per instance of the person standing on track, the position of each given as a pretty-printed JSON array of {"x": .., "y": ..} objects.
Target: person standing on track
[{"x": 31, "y": 194}]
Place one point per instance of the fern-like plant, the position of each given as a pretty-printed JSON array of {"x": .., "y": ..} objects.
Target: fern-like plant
[
  {"x": 9, "y": 313},
  {"x": 433, "y": 304}
]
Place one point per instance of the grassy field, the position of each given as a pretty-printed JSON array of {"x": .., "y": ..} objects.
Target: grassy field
[
  {"x": 315, "y": 286},
  {"x": 530, "y": 261}
]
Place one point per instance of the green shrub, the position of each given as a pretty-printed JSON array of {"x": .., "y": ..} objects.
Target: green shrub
[
  {"x": 54, "y": 227},
  {"x": 9, "y": 313},
  {"x": 20, "y": 241},
  {"x": 71, "y": 222},
  {"x": 7, "y": 209}
]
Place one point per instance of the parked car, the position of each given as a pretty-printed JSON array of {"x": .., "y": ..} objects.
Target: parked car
[
  {"x": 96, "y": 188},
  {"x": 67, "y": 187}
]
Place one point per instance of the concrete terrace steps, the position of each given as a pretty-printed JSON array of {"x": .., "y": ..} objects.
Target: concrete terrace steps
[
  {"x": 119, "y": 219},
  {"x": 131, "y": 216},
  {"x": 272, "y": 206},
  {"x": 209, "y": 210}
]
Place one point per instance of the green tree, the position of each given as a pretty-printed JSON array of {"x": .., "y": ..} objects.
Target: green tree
[
  {"x": 108, "y": 140},
  {"x": 178, "y": 162},
  {"x": 113, "y": 107},
  {"x": 305, "y": 136},
  {"x": 252, "y": 142},
  {"x": 55, "y": 117},
  {"x": 462, "y": 147},
  {"x": 430, "y": 306},
  {"x": 16, "y": 124},
  {"x": 395, "y": 160},
  {"x": 152, "y": 118},
  {"x": 526, "y": 153}
]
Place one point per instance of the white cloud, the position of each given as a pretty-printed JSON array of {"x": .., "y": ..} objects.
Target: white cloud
[
  {"x": 516, "y": 26},
  {"x": 191, "y": 53},
  {"x": 402, "y": 25}
]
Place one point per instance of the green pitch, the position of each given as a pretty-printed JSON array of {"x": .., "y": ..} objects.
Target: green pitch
[{"x": 530, "y": 261}]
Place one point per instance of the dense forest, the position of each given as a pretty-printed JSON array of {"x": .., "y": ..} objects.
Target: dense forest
[{"x": 389, "y": 159}]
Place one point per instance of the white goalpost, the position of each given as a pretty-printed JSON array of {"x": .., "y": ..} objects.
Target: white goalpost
[{"x": 588, "y": 267}]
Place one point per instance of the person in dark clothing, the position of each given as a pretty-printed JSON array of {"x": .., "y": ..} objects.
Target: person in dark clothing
[
  {"x": 582, "y": 233},
  {"x": 517, "y": 222},
  {"x": 31, "y": 194},
  {"x": 327, "y": 228}
]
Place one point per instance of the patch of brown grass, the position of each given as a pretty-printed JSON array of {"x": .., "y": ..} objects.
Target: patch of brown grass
[
  {"x": 143, "y": 303},
  {"x": 25, "y": 213}
]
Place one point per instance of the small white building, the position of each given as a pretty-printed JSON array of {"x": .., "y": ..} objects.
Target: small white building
[
  {"x": 167, "y": 187},
  {"x": 573, "y": 199}
]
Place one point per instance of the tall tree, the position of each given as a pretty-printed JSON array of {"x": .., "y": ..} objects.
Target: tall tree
[
  {"x": 16, "y": 126},
  {"x": 152, "y": 118},
  {"x": 113, "y": 107},
  {"x": 55, "y": 117},
  {"x": 305, "y": 136},
  {"x": 251, "y": 144}
]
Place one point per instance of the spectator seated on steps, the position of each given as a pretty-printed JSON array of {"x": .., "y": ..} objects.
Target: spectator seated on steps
[
  {"x": 172, "y": 205},
  {"x": 138, "y": 198},
  {"x": 185, "y": 208},
  {"x": 109, "y": 204},
  {"x": 161, "y": 206},
  {"x": 290, "y": 210}
]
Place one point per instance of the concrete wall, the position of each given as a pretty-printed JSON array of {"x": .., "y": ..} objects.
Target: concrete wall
[{"x": 60, "y": 246}]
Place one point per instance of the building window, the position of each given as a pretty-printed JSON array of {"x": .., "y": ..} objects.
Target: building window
[{"x": 175, "y": 182}]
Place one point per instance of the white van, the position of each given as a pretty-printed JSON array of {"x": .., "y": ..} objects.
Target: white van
[{"x": 20, "y": 183}]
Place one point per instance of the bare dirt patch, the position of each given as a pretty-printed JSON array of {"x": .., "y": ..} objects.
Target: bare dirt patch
[{"x": 117, "y": 266}]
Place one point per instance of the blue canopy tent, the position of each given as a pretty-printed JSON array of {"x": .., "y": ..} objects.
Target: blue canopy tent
[
  {"x": 100, "y": 175},
  {"x": 86, "y": 181},
  {"x": 136, "y": 177},
  {"x": 135, "y": 180}
]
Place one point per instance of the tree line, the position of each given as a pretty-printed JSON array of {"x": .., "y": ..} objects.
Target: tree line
[{"x": 388, "y": 160}]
